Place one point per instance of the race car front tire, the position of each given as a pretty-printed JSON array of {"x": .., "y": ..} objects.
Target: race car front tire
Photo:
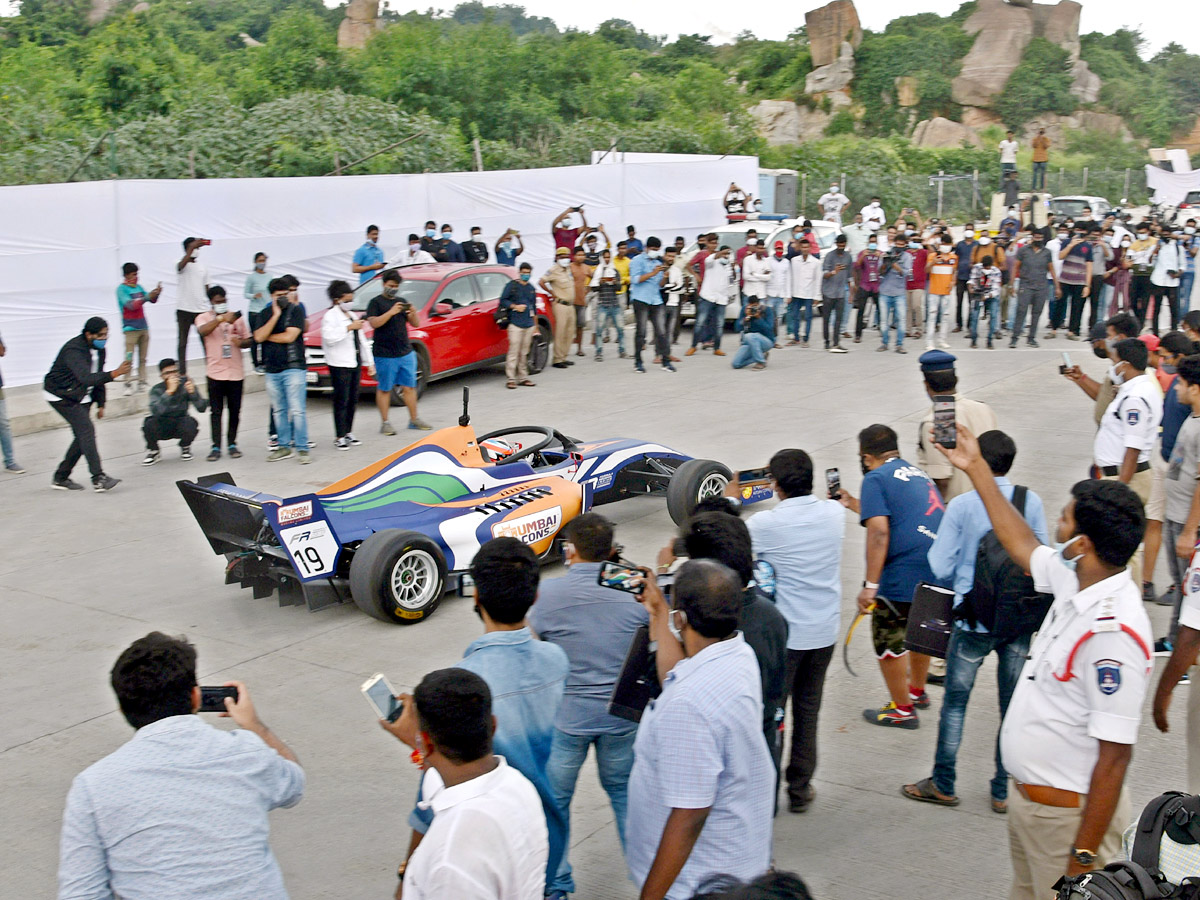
[
  {"x": 692, "y": 482},
  {"x": 398, "y": 576}
]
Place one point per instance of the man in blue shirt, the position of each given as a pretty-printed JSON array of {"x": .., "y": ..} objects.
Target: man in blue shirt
[
  {"x": 802, "y": 540},
  {"x": 901, "y": 510},
  {"x": 646, "y": 271},
  {"x": 526, "y": 677},
  {"x": 181, "y": 809},
  {"x": 594, "y": 626},
  {"x": 368, "y": 259},
  {"x": 952, "y": 558},
  {"x": 702, "y": 775},
  {"x": 633, "y": 246},
  {"x": 963, "y": 249}
]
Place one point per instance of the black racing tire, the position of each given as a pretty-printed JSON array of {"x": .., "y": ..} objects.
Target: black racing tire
[
  {"x": 398, "y": 576},
  {"x": 539, "y": 348},
  {"x": 692, "y": 482},
  {"x": 423, "y": 370}
]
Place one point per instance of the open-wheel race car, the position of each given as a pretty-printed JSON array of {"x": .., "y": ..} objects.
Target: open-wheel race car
[{"x": 394, "y": 536}]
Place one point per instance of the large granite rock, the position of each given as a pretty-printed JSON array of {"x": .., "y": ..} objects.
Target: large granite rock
[
  {"x": 1002, "y": 31},
  {"x": 834, "y": 77},
  {"x": 783, "y": 122},
  {"x": 1085, "y": 84},
  {"x": 1059, "y": 24},
  {"x": 828, "y": 27},
  {"x": 100, "y": 10},
  {"x": 943, "y": 133},
  {"x": 907, "y": 91},
  {"x": 974, "y": 117},
  {"x": 1059, "y": 127},
  {"x": 361, "y": 21}
]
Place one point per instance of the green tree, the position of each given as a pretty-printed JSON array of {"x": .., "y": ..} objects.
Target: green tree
[{"x": 1040, "y": 84}]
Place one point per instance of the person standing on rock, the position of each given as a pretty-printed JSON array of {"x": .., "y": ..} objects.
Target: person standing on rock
[
  {"x": 832, "y": 202},
  {"x": 1041, "y": 157}
]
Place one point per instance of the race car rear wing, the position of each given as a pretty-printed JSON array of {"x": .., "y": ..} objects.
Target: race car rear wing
[{"x": 231, "y": 518}]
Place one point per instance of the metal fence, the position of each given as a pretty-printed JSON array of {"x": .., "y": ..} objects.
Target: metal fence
[{"x": 961, "y": 196}]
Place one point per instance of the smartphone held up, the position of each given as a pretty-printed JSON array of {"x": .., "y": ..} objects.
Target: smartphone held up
[
  {"x": 212, "y": 699},
  {"x": 381, "y": 696},
  {"x": 945, "y": 431}
]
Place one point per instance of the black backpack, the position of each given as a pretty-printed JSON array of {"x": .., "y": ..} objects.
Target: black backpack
[
  {"x": 1003, "y": 599},
  {"x": 500, "y": 317},
  {"x": 1174, "y": 814}
]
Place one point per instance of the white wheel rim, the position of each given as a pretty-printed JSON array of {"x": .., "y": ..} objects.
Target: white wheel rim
[
  {"x": 712, "y": 486},
  {"x": 414, "y": 579}
]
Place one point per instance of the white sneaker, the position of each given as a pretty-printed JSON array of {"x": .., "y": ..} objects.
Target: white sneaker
[
  {"x": 352, "y": 440},
  {"x": 943, "y": 345}
]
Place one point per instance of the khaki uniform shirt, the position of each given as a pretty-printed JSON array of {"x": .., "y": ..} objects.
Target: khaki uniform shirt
[{"x": 977, "y": 417}]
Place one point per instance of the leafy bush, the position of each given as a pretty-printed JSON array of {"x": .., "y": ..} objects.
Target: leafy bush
[{"x": 1040, "y": 84}]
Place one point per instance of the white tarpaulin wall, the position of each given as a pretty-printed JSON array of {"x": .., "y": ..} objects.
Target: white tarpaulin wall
[
  {"x": 62, "y": 245},
  {"x": 1171, "y": 187}
]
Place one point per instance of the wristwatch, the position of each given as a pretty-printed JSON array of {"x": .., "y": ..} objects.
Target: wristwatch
[
  {"x": 870, "y": 585},
  {"x": 400, "y": 869},
  {"x": 1084, "y": 857}
]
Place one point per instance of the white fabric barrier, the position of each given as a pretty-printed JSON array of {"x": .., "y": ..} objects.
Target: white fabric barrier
[
  {"x": 1171, "y": 187},
  {"x": 62, "y": 245}
]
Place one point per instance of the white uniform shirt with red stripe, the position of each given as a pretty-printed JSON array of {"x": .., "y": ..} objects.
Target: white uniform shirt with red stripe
[{"x": 1084, "y": 680}]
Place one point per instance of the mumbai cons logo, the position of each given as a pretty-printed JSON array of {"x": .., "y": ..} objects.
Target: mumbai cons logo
[
  {"x": 297, "y": 512},
  {"x": 531, "y": 528}
]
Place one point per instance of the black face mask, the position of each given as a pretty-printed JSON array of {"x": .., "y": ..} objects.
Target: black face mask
[
  {"x": 862, "y": 464},
  {"x": 1100, "y": 352}
]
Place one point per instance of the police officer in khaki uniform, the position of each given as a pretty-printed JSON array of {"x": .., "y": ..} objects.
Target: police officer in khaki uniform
[
  {"x": 940, "y": 378},
  {"x": 559, "y": 283},
  {"x": 1069, "y": 733}
]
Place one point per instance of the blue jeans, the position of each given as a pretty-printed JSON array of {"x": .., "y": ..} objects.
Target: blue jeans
[
  {"x": 614, "y": 760},
  {"x": 964, "y": 656},
  {"x": 286, "y": 392},
  {"x": 753, "y": 350},
  {"x": 709, "y": 324},
  {"x": 1039, "y": 177},
  {"x": 798, "y": 307},
  {"x": 605, "y": 316},
  {"x": 6, "y": 433},
  {"x": 993, "y": 310},
  {"x": 893, "y": 311},
  {"x": 1186, "y": 280}
]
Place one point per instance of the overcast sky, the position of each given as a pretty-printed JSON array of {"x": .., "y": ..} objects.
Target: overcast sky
[{"x": 1161, "y": 21}]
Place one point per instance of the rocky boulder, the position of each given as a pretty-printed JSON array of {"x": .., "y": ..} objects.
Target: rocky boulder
[
  {"x": 828, "y": 27},
  {"x": 361, "y": 21},
  {"x": 1003, "y": 31},
  {"x": 1059, "y": 24},
  {"x": 1059, "y": 127},
  {"x": 782, "y": 122},
  {"x": 907, "y": 91},
  {"x": 943, "y": 133},
  {"x": 834, "y": 77},
  {"x": 1085, "y": 84}
]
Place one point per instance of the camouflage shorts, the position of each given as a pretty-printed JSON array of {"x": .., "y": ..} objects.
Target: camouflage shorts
[{"x": 888, "y": 629}]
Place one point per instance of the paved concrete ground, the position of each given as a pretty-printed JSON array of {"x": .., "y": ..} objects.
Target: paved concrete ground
[{"x": 81, "y": 575}]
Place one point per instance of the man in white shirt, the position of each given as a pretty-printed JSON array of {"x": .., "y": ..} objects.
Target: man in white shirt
[
  {"x": 756, "y": 273},
  {"x": 192, "y": 298},
  {"x": 1169, "y": 264},
  {"x": 832, "y": 202},
  {"x": 488, "y": 838},
  {"x": 414, "y": 255},
  {"x": 873, "y": 217},
  {"x": 1068, "y": 735},
  {"x": 779, "y": 285},
  {"x": 856, "y": 234},
  {"x": 1008, "y": 155},
  {"x": 711, "y": 303},
  {"x": 806, "y": 288}
]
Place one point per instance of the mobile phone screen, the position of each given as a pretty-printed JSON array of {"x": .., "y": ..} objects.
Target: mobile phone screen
[
  {"x": 212, "y": 699},
  {"x": 944, "y": 431},
  {"x": 381, "y": 696},
  {"x": 620, "y": 578},
  {"x": 833, "y": 481}
]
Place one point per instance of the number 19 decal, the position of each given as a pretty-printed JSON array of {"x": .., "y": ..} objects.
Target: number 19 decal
[
  {"x": 312, "y": 547},
  {"x": 308, "y": 560}
]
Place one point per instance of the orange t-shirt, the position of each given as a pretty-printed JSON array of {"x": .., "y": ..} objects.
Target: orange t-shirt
[{"x": 942, "y": 268}]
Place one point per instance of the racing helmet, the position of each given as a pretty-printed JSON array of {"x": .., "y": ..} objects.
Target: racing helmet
[{"x": 497, "y": 449}]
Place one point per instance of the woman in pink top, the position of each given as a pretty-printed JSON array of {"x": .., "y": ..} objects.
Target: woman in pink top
[{"x": 224, "y": 332}]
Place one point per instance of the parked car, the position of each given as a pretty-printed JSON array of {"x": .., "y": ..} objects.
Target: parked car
[
  {"x": 1072, "y": 207},
  {"x": 1188, "y": 208},
  {"x": 733, "y": 235},
  {"x": 455, "y": 303}
]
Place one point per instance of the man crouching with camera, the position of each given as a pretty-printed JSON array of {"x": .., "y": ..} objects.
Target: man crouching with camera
[{"x": 181, "y": 809}]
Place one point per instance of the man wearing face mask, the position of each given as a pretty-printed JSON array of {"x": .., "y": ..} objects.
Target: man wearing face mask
[
  {"x": 565, "y": 230},
  {"x": 1141, "y": 258},
  {"x": 75, "y": 381},
  {"x": 1104, "y": 337},
  {"x": 856, "y": 237},
  {"x": 1189, "y": 245},
  {"x": 1035, "y": 270},
  {"x": 1075, "y": 278},
  {"x": 964, "y": 250},
  {"x": 429, "y": 236},
  {"x": 395, "y": 359},
  {"x": 1075, "y": 711},
  {"x": 368, "y": 259},
  {"x": 192, "y": 290},
  {"x": 509, "y": 247},
  {"x": 282, "y": 336},
  {"x": 414, "y": 255},
  {"x": 475, "y": 250},
  {"x": 712, "y": 815},
  {"x": 873, "y": 215},
  {"x": 559, "y": 283},
  {"x": 224, "y": 334},
  {"x": 445, "y": 249},
  {"x": 832, "y": 202},
  {"x": 257, "y": 293},
  {"x": 1164, "y": 279},
  {"x": 519, "y": 299},
  {"x": 647, "y": 272},
  {"x": 169, "y": 419}
]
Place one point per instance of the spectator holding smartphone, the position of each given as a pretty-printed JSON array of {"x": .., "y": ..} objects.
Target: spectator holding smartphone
[
  {"x": 282, "y": 337},
  {"x": 346, "y": 352},
  {"x": 224, "y": 333},
  {"x": 257, "y": 291},
  {"x": 181, "y": 809},
  {"x": 131, "y": 299},
  {"x": 192, "y": 299},
  {"x": 169, "y": 419},
  {"x": 395, "y": 359}
]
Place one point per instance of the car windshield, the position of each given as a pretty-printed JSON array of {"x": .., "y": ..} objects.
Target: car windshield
[
  {"x": 415, "y": 292},
  {"x": 1192, "y": 198},
  {"x": 1067, "y": 207}
]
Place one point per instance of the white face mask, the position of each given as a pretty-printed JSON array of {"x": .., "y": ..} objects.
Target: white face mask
[
  {"x": 413, "y": 248},
  {"x": 1189, "y": 230},
  {"x": 1062, "y": 553},
  {"x": 968, "y": 234},
  {"x": 1114, "y": 376},
  {"x": 1124, "y": 243},
  {"x": 220, "y": 308},
  {"x": 985, "y": 240},
  {"x": 564, "y": 262}
]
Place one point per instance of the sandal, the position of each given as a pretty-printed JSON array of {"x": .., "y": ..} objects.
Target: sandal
[
  {"x": 999, "y": 806},
  {"x": 512, "y": 385},
  {"x": 925, "y": 792},
  {"x": 528, "y": 383}
]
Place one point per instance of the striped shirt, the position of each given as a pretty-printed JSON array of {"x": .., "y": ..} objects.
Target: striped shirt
[{"x": 710, "y": 711}]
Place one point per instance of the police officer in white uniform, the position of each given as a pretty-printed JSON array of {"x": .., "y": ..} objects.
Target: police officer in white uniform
[
  {"x": 1069, "y": 733},
  {"x": 1129, "y": 427}
]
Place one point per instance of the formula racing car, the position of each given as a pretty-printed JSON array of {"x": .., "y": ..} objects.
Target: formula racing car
[{"x": 394, "y": 536}]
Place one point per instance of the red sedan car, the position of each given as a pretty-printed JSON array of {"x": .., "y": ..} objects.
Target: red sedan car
[{"x": 455, "y": 303}]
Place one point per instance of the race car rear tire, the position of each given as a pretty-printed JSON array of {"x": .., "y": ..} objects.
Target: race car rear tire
[
  {"x": 692, "y": 482},
  {"x": 398, "y": 576},
  {"x": 539, "y": 349}
]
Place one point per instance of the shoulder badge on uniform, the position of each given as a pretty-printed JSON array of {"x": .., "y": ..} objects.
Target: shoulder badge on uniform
[
  {"x": 1108, "y": 675},
  {"x": 1132, "y": 416}
]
